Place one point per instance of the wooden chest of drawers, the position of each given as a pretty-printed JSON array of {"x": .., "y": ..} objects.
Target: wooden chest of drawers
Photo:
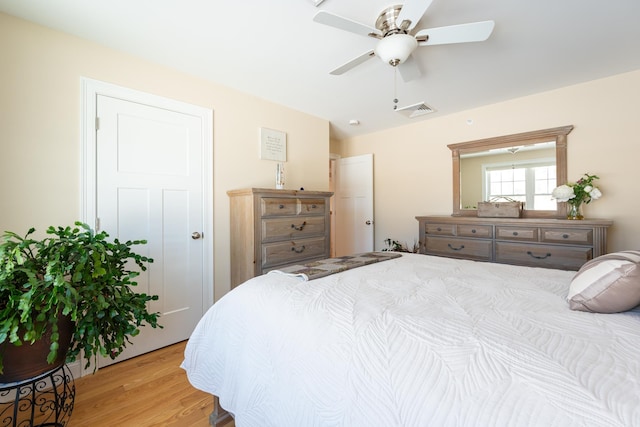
[
  {"x": 548, "y": 243},
  {"x": 276, "y": 228}
]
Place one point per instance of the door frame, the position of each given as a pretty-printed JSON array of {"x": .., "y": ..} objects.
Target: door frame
[
  {"x": 90, "y": 90},
  {"x": 333, "y": 159}
]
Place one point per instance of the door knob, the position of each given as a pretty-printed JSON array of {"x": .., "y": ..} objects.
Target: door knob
[
  {"x": 195, "y": 235},
  {"x": 369, "y": 222}
]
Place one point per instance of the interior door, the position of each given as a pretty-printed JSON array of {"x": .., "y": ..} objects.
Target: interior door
[
  {"x": 150, "y": 186},
  {"x": 354, "y": 205}
]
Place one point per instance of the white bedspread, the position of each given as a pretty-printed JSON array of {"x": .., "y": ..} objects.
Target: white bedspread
[{"x": 417, "y": 341}]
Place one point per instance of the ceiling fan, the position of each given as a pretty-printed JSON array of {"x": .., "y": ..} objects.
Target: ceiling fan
[{"x": 396, "y": 38}]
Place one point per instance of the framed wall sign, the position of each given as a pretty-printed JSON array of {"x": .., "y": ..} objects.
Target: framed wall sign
[{"x": 273, "y": 145}]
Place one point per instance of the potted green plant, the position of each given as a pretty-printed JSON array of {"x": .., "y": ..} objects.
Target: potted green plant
[
  {"x": 68, "y": 292},
  {"x": 396, "y": 246}
]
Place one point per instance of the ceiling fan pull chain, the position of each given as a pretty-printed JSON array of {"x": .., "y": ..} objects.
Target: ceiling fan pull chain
[{"x": 395, "y": 88}]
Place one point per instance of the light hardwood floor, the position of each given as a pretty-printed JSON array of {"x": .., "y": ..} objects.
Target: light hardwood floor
[{"x": 148, "y": 390}]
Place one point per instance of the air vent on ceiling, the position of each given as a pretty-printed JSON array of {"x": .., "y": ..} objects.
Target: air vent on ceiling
[{"x": 415, "y": 110}]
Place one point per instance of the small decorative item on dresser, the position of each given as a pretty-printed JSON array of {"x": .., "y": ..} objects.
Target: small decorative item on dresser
[
  {"x": 495, "y": 208},
  {"x": 577, "y": 193},
  {"x": 280, "y": 176}
]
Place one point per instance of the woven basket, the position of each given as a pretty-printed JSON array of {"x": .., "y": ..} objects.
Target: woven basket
[{"x": 494, "y": 209}]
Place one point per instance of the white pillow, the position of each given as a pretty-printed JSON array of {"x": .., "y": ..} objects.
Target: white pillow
[{"x": 607, "y": 284}]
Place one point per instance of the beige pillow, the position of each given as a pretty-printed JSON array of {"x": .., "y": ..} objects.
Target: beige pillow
[{"x": 607, "y": 284}]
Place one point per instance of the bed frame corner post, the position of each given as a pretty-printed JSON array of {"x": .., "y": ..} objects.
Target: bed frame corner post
[{"x": 219, "y": 414}]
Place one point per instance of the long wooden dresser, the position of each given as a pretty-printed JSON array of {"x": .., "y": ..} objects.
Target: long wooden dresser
[
  {"x": 548, "y": 243},
  {"x": 275, "y": 228}
]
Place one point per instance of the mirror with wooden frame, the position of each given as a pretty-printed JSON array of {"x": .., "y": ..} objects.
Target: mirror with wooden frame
[{"x": 524, "y": 167}]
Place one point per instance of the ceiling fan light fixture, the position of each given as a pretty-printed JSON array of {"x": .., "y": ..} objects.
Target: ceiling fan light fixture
[{"x": 394, "y": 49}]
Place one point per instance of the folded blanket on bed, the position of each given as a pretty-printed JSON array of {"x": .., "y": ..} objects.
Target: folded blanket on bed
[{"x": 324, "y": 267}]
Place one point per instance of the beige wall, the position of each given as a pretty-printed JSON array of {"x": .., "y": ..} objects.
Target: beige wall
[
  {"x": 413, "y": 164},
  {"x": 40, "y": 113}
]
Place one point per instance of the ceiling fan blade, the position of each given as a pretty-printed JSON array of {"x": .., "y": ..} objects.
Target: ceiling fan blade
[
  {"x": 411, "y": 12},
  {"x": 462, "y": 33},
  {"x": 346, "y": 24},
  {"x": 409, "y": 69},
  {"x": 353, "y": 63}
]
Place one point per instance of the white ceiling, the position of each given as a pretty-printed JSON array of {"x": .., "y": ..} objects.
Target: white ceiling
[{"x": 275, "y": 51}]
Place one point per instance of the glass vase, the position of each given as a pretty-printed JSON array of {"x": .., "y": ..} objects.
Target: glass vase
[{"x": 574, "y": 211}]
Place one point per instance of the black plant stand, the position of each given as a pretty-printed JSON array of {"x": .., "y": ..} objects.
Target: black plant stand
[{"x": 43, "y": 401}]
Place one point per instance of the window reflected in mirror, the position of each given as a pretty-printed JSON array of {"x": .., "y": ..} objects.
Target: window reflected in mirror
[{"x": 525, "y": 173}]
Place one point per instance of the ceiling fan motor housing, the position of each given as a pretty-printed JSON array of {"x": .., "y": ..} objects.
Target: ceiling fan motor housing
[{"x": 386, "y": 21}]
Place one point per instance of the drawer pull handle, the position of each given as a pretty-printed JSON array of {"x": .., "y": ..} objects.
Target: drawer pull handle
[
  {"x": 439, "y": 229},
  {"x": 298, "y": 251},
  {"x": 455, "y": 249},
  {"x": 538, "y": 257},
  {"x": 280, "y": 206},
  {"x": 515, "y": 233},
  {"x": 299, "y": 228},
  {"x": 565, "y": 236},
  {"x": 473, "y": 230},
  {"x": 314, "y": 206}
]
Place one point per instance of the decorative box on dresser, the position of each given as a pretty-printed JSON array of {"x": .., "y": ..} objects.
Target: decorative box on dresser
[
  {"x": 548, "y": 243},
  {"x": 275, "y": 228}
]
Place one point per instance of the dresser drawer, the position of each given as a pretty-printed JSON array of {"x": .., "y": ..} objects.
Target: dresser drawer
[
  {"x": 479, "y": 231},
  {"x": 292, "y": 251},
  {"x": 312, "y": 206},
  {"x": 547, "y": 256},
  {"x": 274, "y": 229},
  {"x": 477, "y": 249},
  {"x": 570, "y": 237},
  {"x": 529, "y": 234},
  {"x": 441, "y": 229},
  {"x": 271, "y": 206}
]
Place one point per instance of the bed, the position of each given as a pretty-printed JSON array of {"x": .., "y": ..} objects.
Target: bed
[{"x": 417, "y": 341}]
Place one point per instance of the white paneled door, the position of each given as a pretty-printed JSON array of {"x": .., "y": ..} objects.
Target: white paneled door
[
  {"x": 354, "y": 205},
  {"x": 149, "y": 185}
]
